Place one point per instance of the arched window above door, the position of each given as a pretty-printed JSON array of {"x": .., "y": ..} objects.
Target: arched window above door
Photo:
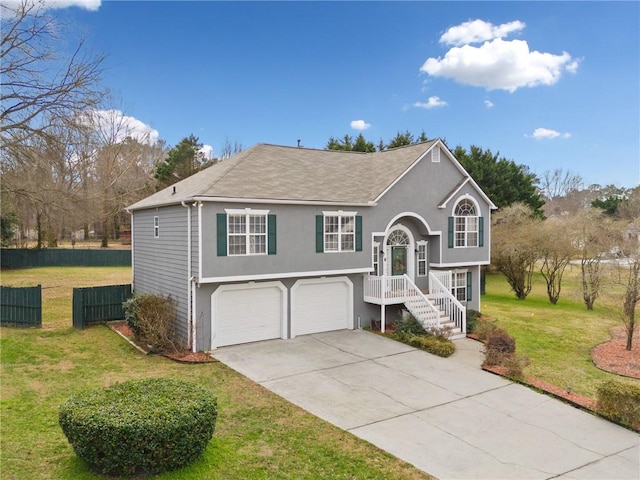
[{"x": 398, "y": 237}]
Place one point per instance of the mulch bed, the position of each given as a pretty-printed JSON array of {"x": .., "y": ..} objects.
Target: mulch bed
[
  {"x": 611, "y": 356},
  {"x": 183, "y": 356}
]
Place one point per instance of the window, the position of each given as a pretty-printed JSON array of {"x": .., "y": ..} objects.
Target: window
[
  {"x": 156, "y": 226},
  {"x": 376, "y": 259},
  {"x": 338, "y": 232},
  {"x": 461, "y": 285},
  {"x": 422, "y": 258},
  {"x": 435, "y": 155},
  {"x": 246, "y": 232},
  {"x": 466, "y": 224}
]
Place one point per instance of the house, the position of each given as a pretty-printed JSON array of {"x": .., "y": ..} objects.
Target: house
[{"x": 280, "y": 241}]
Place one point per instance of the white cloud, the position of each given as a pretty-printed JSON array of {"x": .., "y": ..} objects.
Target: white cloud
[
  {"x": 117, "y": 126},
  {"x": 476, "y": 31},
  {"x": 207, "y": 151},
  {"x": 432, "y": 102},
  {"x": 488, "y": 103},
  {"x": 91, "y": 5},
  {"x": 497, "y": 63},
  {"x": 360, "y": 125},
  {"x": 545, "y": 133}
]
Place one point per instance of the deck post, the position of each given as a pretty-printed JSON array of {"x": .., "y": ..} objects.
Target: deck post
[{"x": 382, "y": 319}]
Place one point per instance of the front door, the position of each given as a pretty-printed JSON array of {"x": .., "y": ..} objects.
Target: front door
[{"x": 398, "y": 260}]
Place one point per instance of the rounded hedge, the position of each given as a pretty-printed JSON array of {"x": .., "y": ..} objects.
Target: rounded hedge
[{"x": 141, "y": 426}]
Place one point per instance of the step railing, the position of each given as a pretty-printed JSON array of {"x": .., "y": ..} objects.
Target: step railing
[
  {"x": 440, "y": 293},
  {"x": 401, "y": 289}
]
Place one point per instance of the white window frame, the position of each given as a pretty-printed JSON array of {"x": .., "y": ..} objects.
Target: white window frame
[
  {"x": 249, "y": 237},
  {"x": 376, "y": 259},
  {"x": 456, "y": 288},
  {"x": 466, "y": 227},
  {"x": 339, "y": 234},
  {"x": 421, "y": 258},
  {"x": 156, "y": 226},
  {"x": 435, "y": 155}
]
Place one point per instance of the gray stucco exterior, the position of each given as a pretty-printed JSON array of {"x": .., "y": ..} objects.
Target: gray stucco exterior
[{"x": 180, "y": 255}]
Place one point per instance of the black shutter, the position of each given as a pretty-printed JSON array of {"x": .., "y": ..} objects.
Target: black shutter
[
  {"x": 358, "y": 233},
  {"x": 271, "y": 235},
  {"x": 450, "y": 232},
  {"x": 481, "y": 231},
  {"x": 319, "y": 234},
  {"x": 221, "y": 220}
]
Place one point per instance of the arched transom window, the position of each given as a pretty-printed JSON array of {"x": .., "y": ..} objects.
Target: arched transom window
[
  {"x": 466, "y": 224},
  {"x": 398, "y": 237}
]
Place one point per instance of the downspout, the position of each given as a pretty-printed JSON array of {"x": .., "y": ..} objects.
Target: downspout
[
  {"x": 133, "y": 287},
  {"x": 190, "y": 339}
]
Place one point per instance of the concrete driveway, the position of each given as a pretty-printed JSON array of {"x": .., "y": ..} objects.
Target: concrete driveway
[{"x": 445, "y": 416}]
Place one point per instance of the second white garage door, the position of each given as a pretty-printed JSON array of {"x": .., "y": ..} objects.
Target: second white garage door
[
  {"x": 248, "y": 313},
  {"x": 321, "y": 305}
]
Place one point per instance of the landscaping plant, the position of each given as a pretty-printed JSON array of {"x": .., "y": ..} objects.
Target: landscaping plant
[
  {"x": 152, "y": 319},
  {"x": 140, "y": 426}
]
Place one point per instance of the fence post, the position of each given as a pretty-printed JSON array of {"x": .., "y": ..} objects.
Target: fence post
[{"x": 78, "y": 308}]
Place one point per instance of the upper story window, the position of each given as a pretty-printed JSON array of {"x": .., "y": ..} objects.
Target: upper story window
[
  {"x": 156, "y": 227},
  {"x": 246, "y": 232},
  {"x": 338, "y": 232}
]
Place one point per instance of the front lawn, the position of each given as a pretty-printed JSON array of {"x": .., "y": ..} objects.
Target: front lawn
[
  {"x": 258, "y": 434},
  {"x": 556, "y": 338}
]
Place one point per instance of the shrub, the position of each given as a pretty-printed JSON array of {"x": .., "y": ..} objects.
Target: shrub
[
  {"x": 499, "y": 347},
  {"x": 472, "y": 317},
  {"x": 483, "y": 330},
  {"x": 152, "y": 319},
  {"x": 140, "y": 426},
  {"x": 619, "y": 402},
  {"x": 442, "y": 347},
  {"x": 409, "y": 324}
]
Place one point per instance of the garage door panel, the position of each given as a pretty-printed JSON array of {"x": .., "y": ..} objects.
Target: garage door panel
[
  {"x": 249, "y": 313},
  {"x": 322, "y": 306}
]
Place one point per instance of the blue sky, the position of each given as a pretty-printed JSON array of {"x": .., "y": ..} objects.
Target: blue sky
[{"x": 548, "y": 85}]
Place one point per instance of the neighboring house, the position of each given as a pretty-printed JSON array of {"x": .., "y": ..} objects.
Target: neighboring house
[{"x": 277, "y": 242}]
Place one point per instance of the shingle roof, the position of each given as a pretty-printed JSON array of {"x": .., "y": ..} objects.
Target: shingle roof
[{"x": 279, "y": 173}]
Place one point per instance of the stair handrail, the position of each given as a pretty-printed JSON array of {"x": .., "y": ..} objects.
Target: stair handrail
[
  {"x": 452, "y": 306},
  {"x": 422, "y": 296}
]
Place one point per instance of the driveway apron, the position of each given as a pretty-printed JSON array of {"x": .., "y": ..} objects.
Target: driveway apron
[{"x": 447, "y": 417}]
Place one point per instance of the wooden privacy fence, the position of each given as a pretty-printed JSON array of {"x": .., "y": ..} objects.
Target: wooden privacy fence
[
  {"x": 63, "y": 257},
  {"x": 21, "y": 306},
  {"x": 93, "y": 305}
]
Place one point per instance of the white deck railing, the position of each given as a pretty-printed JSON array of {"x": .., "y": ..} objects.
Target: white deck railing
[{"x": 440, "y": 292}]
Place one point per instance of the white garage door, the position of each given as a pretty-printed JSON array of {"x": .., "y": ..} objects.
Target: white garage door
[
  {"x": 321, "y": 305},
  {"x": 248, "y": 313}
]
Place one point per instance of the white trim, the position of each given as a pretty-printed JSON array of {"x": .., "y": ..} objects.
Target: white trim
[
  {"x": 190, "y": 319},
  {"x": 199, "y": 242},
  {"x": 411, "y": 257},
  {"x": 466, "y": 196},
  {"x": 245, "y": 211},
  {"x": 457, "y": 264},
  {"x": 419, "y": 244},
  {"x": 133, "y": 249},
  {"x": 278, "y": 201},
  {"x": 446, "y": 200},
  {"x": 410, "y": 214},
  {"x": 340, "y": 214},
  {"x": 245, "y": 286},
  {"x": 402, "y": 175},
  {"x": 435, "y": 158},
  {"x": 310, "y": 281},
  {"x": 275, "y": 276}
]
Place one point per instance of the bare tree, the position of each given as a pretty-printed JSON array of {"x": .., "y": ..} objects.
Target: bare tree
[
  {"x": 229, "y": 150},
  {"x": 556, "y": 250},
  {"x": 513, "y": 246},
  {"x": 627, "y": 275},
  {"x": 40, "y": 81},
  {"x": 558, "y": 183}
]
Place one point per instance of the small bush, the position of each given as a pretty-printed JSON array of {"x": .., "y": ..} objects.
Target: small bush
[
  {"x": 140, "y": 427},
  {"x": 484, "y": 329},
  {"x": 472, "y": 318},
  {"x": 499, "y": 347},
  {"x": 409, "y": 324},
  {"x": 619, "y": 402},
  {"x": 152, "y": 319},
  {"x": 436, "y": 345}
]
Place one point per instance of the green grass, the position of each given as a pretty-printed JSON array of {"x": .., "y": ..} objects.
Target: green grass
[
  {"x": 258, "y": 435},
  {"x": 557, "y": 339}
]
